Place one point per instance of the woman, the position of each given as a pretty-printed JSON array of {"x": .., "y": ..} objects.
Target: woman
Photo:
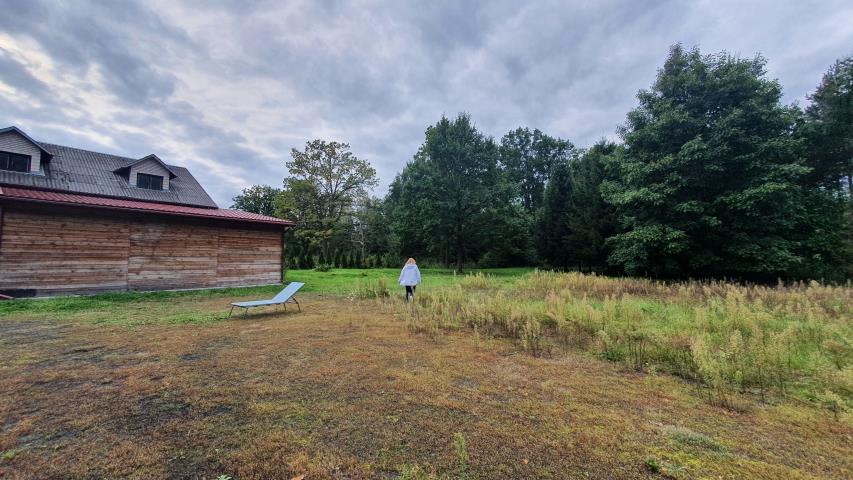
[{"x": 410, "y": 277}]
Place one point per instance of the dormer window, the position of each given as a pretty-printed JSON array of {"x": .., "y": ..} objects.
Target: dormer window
[
  {"x": 148, "y": 172},
  {"x": 15, "y": 162},
  {"x": 150, "y": 182}
]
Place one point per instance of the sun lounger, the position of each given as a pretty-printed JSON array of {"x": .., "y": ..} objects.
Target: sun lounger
[{"x": 283, "y": 298}]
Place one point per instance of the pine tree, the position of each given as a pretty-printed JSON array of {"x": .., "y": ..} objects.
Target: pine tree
[
  {"x": 552, "y": 226},
  {"x": 589, "y": 219}
]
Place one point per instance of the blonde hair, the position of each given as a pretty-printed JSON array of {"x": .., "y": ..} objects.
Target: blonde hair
[{"x": 410, "y": 261}]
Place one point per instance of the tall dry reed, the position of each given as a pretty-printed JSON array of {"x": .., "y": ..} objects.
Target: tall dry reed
[{"x": 729, "y": 338}]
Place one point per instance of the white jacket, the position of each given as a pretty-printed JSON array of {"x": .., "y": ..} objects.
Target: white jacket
[{"x": 410, "y": 275}]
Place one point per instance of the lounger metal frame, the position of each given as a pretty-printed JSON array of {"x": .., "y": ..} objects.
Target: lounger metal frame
[{"x": 272, "y": 302}]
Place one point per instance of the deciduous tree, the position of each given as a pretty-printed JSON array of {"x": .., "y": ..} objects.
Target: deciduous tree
[
  {"x": 325, "y": 181},
  {"x": 527, "y": 157},
  {"x": 257, "y": 199},
  {"x": 709, "y": 182}
]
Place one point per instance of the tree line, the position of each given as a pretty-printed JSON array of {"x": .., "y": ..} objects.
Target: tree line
[{"x": 713, "y": 176}]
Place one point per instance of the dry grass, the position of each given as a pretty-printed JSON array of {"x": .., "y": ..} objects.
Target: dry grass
[
  {"x": 794, "y": 340},
  {"x": 344, "y": 390}
]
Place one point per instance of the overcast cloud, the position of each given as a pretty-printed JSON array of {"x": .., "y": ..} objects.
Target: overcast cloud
[{"x": 227, "y": 88}]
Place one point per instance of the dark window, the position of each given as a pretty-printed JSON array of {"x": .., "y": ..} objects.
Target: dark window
[
  {"x": 14, "y": 162},
  {"x": 151, "y": 182}
]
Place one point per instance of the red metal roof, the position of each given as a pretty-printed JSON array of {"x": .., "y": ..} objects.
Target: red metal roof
[{"x": 43, "y": 196}]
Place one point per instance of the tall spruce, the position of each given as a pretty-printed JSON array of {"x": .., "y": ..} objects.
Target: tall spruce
[
  {"x": 829, "y": 128},
  {"x": 827, "y": 132},
  {"x": 590, "y": 220},
  {"x": 552, "y": 226}
]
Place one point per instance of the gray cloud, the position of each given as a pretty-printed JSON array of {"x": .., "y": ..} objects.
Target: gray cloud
[
  {"x": 227, "y": 88},
  {"x": 16, "y": 75}
]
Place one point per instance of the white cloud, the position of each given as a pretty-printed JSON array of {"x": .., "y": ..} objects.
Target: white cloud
[{"x": 227, "y": 89}]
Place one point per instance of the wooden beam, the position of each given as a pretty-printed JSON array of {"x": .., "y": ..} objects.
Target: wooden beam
[
  {"x": 281, "y": 265},
  {"x": 1, "y": 229}
]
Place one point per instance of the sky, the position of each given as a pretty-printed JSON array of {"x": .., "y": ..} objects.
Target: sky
[{"x": 228, "y": 88}]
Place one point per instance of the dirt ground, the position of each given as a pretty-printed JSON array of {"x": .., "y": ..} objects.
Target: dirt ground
[{"x": 345, "y": 390}]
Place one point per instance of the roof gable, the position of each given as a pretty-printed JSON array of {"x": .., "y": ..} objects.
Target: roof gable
[
  {"x": 153, "y": 158},
  {"x": 45, "y": 155}
]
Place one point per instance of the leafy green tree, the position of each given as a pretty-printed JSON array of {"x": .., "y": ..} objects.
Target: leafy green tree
[
  {"x": 441, "y": 200},
  {"x": 326, "y": 180},
  {"x": 257, "y": 199},
  {"x": 338, "y": 178},
  {"x": 370, "y": 231},
  {"x": 413, "y": 216},
  {"x": 509, "y": 239},
  {"x": 709, "y": 181},
  {"x": 527, "y": 158}
]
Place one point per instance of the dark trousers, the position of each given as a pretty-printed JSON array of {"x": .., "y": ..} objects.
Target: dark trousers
[{"x": 410, "y": 292}]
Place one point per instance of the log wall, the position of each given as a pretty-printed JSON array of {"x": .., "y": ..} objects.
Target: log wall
[{"x": 45, "y": 251}]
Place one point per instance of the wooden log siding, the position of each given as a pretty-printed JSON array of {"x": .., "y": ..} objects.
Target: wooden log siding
[{"x": 50, "y": 252}]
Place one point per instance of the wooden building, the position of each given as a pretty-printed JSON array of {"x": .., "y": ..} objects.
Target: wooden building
[{"x": 75, "y": 221}]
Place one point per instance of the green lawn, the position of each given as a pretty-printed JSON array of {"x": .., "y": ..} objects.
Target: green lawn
[
  {"x": 177, "y": 307},
  {"x": 343, "y": 281}
]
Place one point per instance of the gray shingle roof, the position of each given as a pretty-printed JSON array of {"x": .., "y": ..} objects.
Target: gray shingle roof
[{"x": 82, "y": 171}]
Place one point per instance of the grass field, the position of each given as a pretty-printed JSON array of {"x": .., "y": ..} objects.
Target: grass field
[
  {"x": 161, "y": 385},
  {"x": 176, "y": 307},
  {"x": 732, "y": 340}
]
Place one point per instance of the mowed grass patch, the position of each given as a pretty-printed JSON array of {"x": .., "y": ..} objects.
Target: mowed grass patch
[
  {"x": 343, "y": 281},
  {"x": 344, "y": 389},
  {"x": 513, "y": 380},
  {"x": 132, "y": 308},
  {"x": 180, "y": 307}
]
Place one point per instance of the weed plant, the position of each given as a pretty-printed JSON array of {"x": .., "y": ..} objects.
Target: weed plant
[{"x": 730, "y": 339}]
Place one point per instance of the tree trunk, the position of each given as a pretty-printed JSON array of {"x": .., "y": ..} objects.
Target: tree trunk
[{"x": 459, "y": 253}]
